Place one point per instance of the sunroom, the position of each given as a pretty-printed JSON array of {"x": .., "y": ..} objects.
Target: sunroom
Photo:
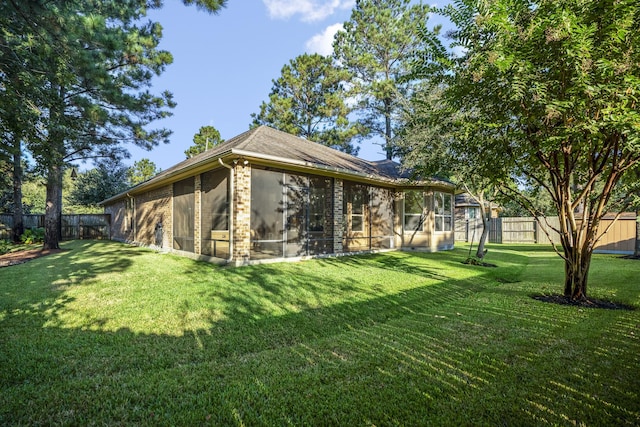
[{"x": 266, "y": 196}]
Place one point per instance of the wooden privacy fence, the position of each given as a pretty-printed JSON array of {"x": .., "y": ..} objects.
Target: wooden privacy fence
[
  {"x": 75, "y": 226},
  {"x": 620, "y": 237}
]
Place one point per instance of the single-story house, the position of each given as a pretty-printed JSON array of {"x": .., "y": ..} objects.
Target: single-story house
[{"x": 268, "y": 195}]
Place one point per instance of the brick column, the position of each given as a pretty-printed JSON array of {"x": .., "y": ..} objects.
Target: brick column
[
  {"x": 338, "y": 216},
  {"x": 241, "y": 211},
  {"x": 197, "y": 234}
]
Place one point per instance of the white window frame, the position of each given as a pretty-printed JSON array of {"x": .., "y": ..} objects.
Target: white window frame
[
  {"x": 420, "y": 215},
  {"x": 441, "y": 213}
]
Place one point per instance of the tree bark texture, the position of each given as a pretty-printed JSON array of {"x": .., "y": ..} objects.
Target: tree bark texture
[
  {"x": 480, "y": 252},
  {"x": 387, "y": 129},
  {"x": 53, "y": 209},
  {"x": 18, "y": 224},
  {"x": 636, "y": 251},
  {"x": 576, "y": 268}
]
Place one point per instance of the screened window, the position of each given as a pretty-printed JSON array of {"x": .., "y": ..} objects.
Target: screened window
[
  {"x": 381, "y": 217},
  {"x": 215, "y": 213},
  {"x": 320, "y": 215},
  {"x": 291, "y": 214},
  {"x": 183, "y": 214},
  {"x": 354, "y": 209},
  {"x": 296, "y": 214},
  {"x": 472, "y": 213},
  {"x": 267, "y": 214},
  {"x": 413, "y": 211},
  {"x": 443, "y": 207}
]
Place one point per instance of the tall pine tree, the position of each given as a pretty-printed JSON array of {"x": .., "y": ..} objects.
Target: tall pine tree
[{"x": 377, "y": 46}]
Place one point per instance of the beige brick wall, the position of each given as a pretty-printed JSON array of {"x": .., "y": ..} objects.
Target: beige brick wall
[
  {"x": 338, "y": 217},
  {"x": 241, "y": 213},
  {"x": 120, "y": 221},
  {"x": 197, "y": 232},
  {"x": 152, "y": 208}
]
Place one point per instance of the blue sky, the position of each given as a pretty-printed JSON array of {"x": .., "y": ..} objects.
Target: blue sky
[{"x": 223, "y": 65}]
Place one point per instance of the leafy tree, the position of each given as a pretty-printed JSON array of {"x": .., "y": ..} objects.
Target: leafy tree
[
  {"x": 141, "y": 171},
  {"x": 308, "y": 100},
  {"x": 85, "y": 66},
  {"x": 207, "y": 137},
  {"x": 107, "y": 179},
  {"x": 553, "y": 87},
  {"x": 430, "y": 146},
  {"x": 377, "y": 46}
]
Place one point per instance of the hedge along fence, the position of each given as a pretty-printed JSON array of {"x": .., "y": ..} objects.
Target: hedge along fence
[
  {"x": 619, "y": 238},
  {"x": 80, "y": 226}
]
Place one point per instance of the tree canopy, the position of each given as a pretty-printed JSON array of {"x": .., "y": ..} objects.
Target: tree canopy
[
  {"x": 107, "y": 179},
  {"x": 75, "y": 78},
  {"x": 377, "y": 47},
  {"x": 207, "y": 137},
  {"x": 308, "y": 100},
  {"x": 141, "y": 171},
  {"x": 549, "y": 95}
]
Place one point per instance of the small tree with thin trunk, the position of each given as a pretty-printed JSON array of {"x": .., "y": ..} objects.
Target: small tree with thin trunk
[{"x": 431, "y": 145}]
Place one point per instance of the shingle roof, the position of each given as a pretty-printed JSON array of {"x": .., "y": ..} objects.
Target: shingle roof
[{"x": 273, "y": 145}]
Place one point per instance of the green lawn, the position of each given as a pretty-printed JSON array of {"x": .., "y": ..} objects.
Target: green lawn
[{"x": 109, "y": 334}]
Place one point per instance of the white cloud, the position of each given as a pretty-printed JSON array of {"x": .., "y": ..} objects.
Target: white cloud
[
  {"x": 309, "y": 10},
  {"x": 323, "y": 43}
]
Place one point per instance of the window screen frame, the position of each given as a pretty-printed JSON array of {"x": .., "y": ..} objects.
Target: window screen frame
[
  {"x": 443, "y": 214},
  {"x": 417, "y": 212}
]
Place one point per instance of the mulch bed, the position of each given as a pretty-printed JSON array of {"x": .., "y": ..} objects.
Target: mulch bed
[
  {"x": 589, "y": 303},
  {"x": 20, "y": 257}
]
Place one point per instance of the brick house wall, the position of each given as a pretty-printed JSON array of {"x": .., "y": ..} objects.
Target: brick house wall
[
  {"x": 338, "y": 217},
  {"x": 197, "y": 224},
  {"x": 241, "y": 212},
  {"x": 151, "y": 209},
  {"x": 155, "y": 207},
  {"x": 120, "y": 221}
]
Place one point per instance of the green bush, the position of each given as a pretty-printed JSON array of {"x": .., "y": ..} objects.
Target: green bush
[
  {"x": 5, "y": 246},
  {"x": 31, "y": 236}
]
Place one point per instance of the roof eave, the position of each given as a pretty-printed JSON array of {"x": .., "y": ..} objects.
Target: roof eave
[
  {"x": 274, "y": 161},
  {"x": 176, "y": 175}
]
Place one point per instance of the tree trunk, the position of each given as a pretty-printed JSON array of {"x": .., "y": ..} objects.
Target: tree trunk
[
  {"x": 387, "y": 129},
  {"x": 53, "y": 209},
  {"x": 576, "y": 269},
  {"x": 18, "y": 224},
  {"x": 480, "y": 253},
  {"x": 636, "y": 251}
]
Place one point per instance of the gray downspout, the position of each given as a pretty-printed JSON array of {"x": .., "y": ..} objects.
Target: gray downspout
[{"x": 231, "y": 207}]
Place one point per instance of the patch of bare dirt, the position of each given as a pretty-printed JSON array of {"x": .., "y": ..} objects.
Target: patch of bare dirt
[
  {"x": 20, "y": 257},
  {"x": 588, "y": 303}
]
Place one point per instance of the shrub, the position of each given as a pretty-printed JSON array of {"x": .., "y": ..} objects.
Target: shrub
[
  {"x": 31, "y": 236},
  {"x": 5, "y": 246}
]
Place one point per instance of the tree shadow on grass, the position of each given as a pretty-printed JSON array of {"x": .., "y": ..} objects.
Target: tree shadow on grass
[
  {"x": 425, "y": 355},
  {"x": 583, "y": 303}
]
